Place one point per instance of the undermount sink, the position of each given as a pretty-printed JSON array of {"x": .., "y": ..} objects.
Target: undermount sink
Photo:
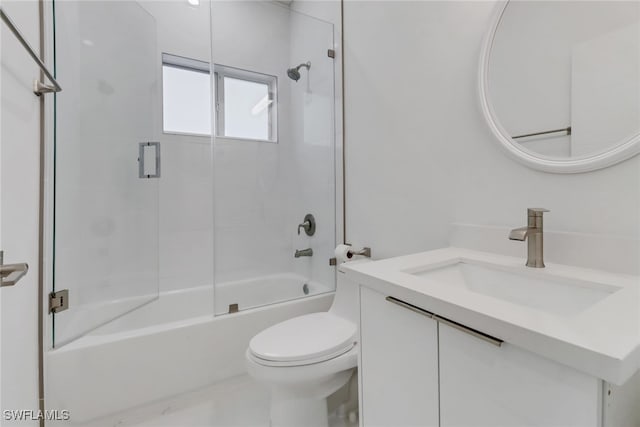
[
  {"x": 535, "y": 289},
  {"x": 581, "y": 317}
]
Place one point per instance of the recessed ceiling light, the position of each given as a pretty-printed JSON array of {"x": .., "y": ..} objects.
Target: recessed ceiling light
[{"x": 194, "y": 2}]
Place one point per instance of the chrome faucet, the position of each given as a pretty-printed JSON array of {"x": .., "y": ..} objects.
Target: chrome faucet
[
  {"x": 303, "y": 252},
  {"x": 534, "y": 232}
]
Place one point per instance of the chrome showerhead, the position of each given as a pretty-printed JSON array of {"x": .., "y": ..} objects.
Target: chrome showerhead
[{"x": 294, "y": 73}]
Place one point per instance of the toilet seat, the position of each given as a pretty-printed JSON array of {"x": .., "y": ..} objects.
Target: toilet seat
[{"x": 303, "y": 340}]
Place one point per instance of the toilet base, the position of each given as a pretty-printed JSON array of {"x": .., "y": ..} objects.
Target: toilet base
[
  {"x": 299, "y": 413},
  {"x": 305, "y": 405}
]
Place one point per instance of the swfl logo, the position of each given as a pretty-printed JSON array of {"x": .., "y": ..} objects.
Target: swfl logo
[{"x": 31, "y": 415}]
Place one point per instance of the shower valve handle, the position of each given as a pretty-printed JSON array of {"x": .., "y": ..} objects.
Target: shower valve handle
[
  {"x": 306, "y": 225},
  {"x": 309, "y": 225}
]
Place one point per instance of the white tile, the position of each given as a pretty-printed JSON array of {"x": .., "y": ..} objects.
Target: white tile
[{"x": 237, "y": 402}]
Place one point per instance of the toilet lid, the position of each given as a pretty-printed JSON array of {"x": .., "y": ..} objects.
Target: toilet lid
[{"x": 317, "y": 336}]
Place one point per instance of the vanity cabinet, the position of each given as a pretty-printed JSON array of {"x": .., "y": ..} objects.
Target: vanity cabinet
[
  {"x": 399, "y": 354},
  {"x": 485, "y": 385},
  {"x": 416, "y": 370}
]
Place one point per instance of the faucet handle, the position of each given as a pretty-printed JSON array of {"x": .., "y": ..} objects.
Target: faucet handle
[
  {"x": 308, "y": 225},
  {"x": 536, "y": 212}
]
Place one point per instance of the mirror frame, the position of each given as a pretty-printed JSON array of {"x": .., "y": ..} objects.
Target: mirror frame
[{"x": 622, "y": 151}]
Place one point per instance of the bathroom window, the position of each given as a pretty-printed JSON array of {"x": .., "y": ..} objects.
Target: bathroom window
[
  {"x": 246, "y": 101},
  {"x": 186, "y": 103},
  {"x": 246, "y": 104}
]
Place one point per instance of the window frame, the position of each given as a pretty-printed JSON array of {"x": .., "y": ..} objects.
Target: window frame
[
  {"x": 222, "y": 71},
  {"x": 217, "y": 101},
  {"x": 188, "y": 64}
]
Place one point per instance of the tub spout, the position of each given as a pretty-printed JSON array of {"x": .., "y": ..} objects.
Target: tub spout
[{"x": 303, "y": 252}]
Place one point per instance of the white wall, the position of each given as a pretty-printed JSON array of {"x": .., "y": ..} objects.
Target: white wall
[
  {"x": 19, "y": 183},
  {"x": 419, "y": 154}
]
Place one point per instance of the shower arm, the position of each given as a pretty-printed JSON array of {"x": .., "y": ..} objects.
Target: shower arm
[{"x": 307, "y": 65}]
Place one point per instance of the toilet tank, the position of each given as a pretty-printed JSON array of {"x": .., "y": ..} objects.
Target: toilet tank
[{"x": 346, "y": 302}]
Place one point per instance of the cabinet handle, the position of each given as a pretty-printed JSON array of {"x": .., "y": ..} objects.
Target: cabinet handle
[
  {"x": 410, "y": 307},
  {"x": 481, "y": 335}
]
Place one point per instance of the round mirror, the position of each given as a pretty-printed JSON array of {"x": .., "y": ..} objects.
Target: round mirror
[{"x": 560, "y": 82}]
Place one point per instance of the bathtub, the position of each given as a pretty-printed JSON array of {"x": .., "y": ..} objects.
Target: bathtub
[{"x": 172, "y": 345}]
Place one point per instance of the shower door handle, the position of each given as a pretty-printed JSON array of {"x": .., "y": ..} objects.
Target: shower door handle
[{"x": 144, "y": 149}]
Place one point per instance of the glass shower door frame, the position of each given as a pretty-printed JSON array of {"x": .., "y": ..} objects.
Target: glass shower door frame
[{"x": 123, "y": 139}]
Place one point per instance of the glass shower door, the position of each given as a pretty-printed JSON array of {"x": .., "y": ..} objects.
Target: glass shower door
[
  {"x": 107, "y": 163},
  {"x": 266, "y": 185}
]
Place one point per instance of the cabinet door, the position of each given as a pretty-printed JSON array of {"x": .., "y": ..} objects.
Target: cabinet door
[
  {"x": 399, "y": 365},
  {"x": 485, "y": 385}
]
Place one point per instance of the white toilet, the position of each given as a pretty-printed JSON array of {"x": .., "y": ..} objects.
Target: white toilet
[{"x": 305, "y": 359}]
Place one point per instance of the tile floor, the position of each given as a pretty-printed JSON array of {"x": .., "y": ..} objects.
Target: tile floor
[{"x": 236, "y": 402}]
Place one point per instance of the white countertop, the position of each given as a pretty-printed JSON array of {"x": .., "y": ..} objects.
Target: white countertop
[{"x": 603, "y": 340}]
